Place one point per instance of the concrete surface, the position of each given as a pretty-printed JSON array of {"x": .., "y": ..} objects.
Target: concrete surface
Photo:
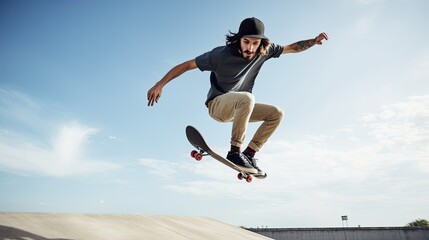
[{"x": 61, "y": 226}]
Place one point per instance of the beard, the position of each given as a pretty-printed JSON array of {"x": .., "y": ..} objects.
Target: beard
[{"x": 248, "y": 54}]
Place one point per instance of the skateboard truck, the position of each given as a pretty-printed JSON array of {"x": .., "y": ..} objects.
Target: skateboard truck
[{"x": 198, "y": 155}]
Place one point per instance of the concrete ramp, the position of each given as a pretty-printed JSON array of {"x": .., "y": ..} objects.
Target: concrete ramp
[{"x": 59, "y": 226}]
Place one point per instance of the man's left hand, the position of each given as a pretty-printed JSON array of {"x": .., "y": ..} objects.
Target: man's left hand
[{"x": 321, "y": 37}]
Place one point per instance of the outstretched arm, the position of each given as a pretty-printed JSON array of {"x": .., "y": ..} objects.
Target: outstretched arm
[
  {"x": 155, "y": 92},
  {"x": 305, "y": 44}
]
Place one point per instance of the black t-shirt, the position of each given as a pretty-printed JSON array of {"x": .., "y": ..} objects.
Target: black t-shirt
[{"x": 231, "y": 71}]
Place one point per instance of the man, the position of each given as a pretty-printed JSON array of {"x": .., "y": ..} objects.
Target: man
[{"x": 234, "y": 68}]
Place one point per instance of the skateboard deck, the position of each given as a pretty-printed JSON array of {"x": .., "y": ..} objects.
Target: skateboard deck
[{"x": 203, "y": 149}]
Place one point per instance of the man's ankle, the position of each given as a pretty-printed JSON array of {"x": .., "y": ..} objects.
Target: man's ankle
[
  {"x": 234, "y": 149},
  {"x": 249, "y": 152}
]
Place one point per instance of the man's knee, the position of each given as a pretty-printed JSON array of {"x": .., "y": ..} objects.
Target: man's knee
[
  {"x": 246, "y": 99},
  {"x": 278, "y": 114},
  {"x": 281, "y": 113}
]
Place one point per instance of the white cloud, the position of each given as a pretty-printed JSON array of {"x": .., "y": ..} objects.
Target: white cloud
[
  {"x": 18, "y": 107},
  {"x": 207, "y": 167},
  {"x": 68, "y": 143},
  {"x": 404, "y": 123},
  {"x": 227, "y": 187},
  {"x": 113, "y": 138},
  {"x": 29, "y": 145},
  {"x": 64, "y": 156},
  {"x": 161, "y": 168},
  {"x": 376, "y": 148}
]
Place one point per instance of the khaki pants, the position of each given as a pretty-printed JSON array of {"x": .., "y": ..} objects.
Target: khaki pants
[{"x": 240, "y": 108}]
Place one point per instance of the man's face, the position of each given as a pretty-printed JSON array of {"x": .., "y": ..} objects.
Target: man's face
[{"x": 249, "y": 46}]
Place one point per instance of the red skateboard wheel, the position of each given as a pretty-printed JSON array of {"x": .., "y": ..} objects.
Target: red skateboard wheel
[
  {"x": 193, "y": 153},
  {"x": 249, "y": 179},
  {"x": 198, "y": 156}
]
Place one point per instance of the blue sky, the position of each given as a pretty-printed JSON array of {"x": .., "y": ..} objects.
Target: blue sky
[{"x": 76, "y": 134}]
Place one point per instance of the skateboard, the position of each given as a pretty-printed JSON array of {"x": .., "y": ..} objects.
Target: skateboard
[{"x": 202, "y": 149}]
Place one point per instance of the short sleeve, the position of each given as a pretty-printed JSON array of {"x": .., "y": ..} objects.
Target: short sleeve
[
  {"x": 203, "y": 62},
  {"x": 275, "y": 50},
  {"x": 208, "y": 61}
]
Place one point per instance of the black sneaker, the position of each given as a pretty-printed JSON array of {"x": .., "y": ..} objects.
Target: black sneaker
[
  {"x": 241, "y": 161},
  {"x": 252, "y": 161}
]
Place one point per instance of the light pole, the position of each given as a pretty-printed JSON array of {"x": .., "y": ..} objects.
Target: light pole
[{"x": 345, "y": 218}]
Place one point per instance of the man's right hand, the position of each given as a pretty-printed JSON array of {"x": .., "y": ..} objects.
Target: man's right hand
[{"x": 154, "y": 94}]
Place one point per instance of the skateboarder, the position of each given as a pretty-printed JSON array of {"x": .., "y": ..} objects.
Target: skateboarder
[{"x": 234, "y": 68}]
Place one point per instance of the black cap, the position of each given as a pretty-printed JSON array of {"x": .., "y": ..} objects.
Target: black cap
[{"x": 252, "y": 27}]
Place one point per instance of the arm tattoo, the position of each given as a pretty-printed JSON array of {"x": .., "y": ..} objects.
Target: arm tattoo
[{"x": 304, "y": 45}]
